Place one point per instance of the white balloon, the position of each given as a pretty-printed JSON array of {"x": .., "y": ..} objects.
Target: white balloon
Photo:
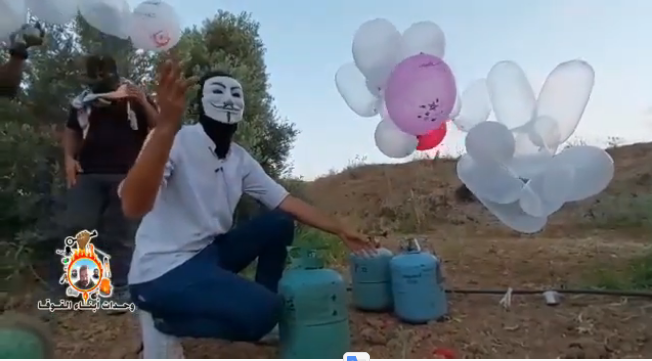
[
  {"x": 529, "y": 159},
  {"x": 57, "y": 12},
  {"x": 422, "y": 37},
  {"x": 392, "y": 142},
  {"x": 544, "y": 132},
  {"x": 531, "y": 202},
  {"x": 565, "y": 94},
  {"x": 593, "y": 170},
  {"x": 547, "y": 192},
  {"x": 352, "y": 86},
  {"x": 155, "y": 26},
  {"x": 513, "y": 216},
  {"x": 475, "y": 106},
  {"x": 374, "y": 49},
  {"x": 111, "y": 17},
  {"x": 555, "y": 181},
  {"x": 375, "y": 90},
  {"x": 490, "y": 143},
  {"x": 13, "y": 14},
  {"x": 492, "y": 182},
  {"x": 512, "y": 97}
]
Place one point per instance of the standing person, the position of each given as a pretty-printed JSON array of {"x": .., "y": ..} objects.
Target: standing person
[
  {"x": 11, "y": 72},
  {"x": 105, "y": 130},
  {"x": 186, "y": 184},
  {"x": 14, "y": 325}
]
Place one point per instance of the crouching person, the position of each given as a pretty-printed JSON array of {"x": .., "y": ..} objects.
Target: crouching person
[{"x": 185, "y": 185}]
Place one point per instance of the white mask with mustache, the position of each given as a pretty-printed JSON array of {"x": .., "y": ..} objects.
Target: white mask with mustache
[{"x": 223, "y": 99}]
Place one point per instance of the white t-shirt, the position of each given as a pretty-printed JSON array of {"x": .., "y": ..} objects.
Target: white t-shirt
[{"x": 196, "y": 202}]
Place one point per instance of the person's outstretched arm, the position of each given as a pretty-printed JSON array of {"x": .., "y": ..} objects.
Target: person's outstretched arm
[
  {"x": 263, "y": 188},
  {"x": 11, "y": 72},
  {"x": 141, "y": 186}
]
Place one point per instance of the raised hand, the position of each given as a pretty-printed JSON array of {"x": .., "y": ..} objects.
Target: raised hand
[
  {"x": 27, "y": 36},
  {"x": 171, "y": 91}
]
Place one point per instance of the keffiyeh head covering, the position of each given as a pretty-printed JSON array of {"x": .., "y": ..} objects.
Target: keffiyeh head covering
[
  {"x": 87, "y": 100},
  {"x": 104, "y": 87}
]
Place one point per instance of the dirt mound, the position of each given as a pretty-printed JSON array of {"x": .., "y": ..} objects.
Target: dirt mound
[{"x": 419, "y": 196}]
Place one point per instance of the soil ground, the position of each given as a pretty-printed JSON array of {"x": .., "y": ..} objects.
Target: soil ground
[
  {"x": 580, "y": 327},
  {"x": 477, "y": 253}
]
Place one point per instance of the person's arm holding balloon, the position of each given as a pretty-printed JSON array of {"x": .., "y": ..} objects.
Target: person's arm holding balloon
[
  {"x": 139, "y": 189},
  {"x": 145, "y": 104},
  {"x": 11, "y": 72}
]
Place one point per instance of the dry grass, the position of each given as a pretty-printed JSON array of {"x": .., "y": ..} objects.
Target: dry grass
[
  {"x": 604, "y": 241},
  {"x": 418, "y": 196}
]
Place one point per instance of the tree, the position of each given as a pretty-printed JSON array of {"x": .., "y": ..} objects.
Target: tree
[
  {"x": 31, "y": 186},
  {"x": 232, "y": 43},
  {"x": 56, "y": 70},
  {"x": 30, "y": 179}
]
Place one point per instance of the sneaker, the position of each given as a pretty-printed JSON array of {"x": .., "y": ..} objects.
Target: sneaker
[
  {"x": 156, "y": 344},
  {"x": 271, "y": 338}
]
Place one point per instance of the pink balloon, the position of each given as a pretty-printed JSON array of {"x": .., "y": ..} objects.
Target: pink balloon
[{"x": 420, "y": 94}]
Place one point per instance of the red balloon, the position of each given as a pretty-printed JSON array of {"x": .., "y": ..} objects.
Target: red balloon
[{"x": 432, "y": 139}]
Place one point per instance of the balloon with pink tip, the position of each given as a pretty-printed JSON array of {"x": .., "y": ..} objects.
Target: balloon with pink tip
[{"x": 420, "y": 94}]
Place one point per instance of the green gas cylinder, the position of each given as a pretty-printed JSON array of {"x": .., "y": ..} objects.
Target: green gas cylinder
[
  {"x": 315, "y": 321},
  {"x": 371, "y": 281},
  {"x": 23, "y": 337}
]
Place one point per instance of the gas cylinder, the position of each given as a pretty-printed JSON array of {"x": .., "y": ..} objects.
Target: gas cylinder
[
  {"x": 371, "y": 280},
  {"x": 24, "y": 337},
  {"x": 417, "y": 285},
  {"x": 315, "y": 320}
]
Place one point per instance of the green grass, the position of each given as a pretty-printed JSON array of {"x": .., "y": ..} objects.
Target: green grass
[
  {"x": 623, "y": 212},
  {"x": 636, "y": 276},
  {"x": 627, "y": 213},
  {"x": 328, "y": 247}
]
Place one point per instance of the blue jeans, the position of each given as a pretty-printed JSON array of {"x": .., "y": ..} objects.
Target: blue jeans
[
  {"x": 93, "y": 203},
  {"x": 205, "y": 296}
]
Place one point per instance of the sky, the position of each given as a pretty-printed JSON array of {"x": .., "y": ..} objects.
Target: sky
[{"x": 307, "y": 41}]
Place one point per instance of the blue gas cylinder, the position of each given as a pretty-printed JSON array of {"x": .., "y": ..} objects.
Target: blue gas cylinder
[
  {"x": 315, "y": 321},
  {"x": 417, "y": 285},
  {"x": 371, "y": 280}
]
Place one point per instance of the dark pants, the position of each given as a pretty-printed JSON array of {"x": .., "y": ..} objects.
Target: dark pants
[
  {"x": 205, "y": 297},
  {"x": 93, "y": 203}
]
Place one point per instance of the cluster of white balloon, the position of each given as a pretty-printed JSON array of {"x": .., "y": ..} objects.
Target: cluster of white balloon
[
  {"x": 392, "y": 75},
  {"x": 512, "y": 165},
  {"x": 153, "y": 25}
]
